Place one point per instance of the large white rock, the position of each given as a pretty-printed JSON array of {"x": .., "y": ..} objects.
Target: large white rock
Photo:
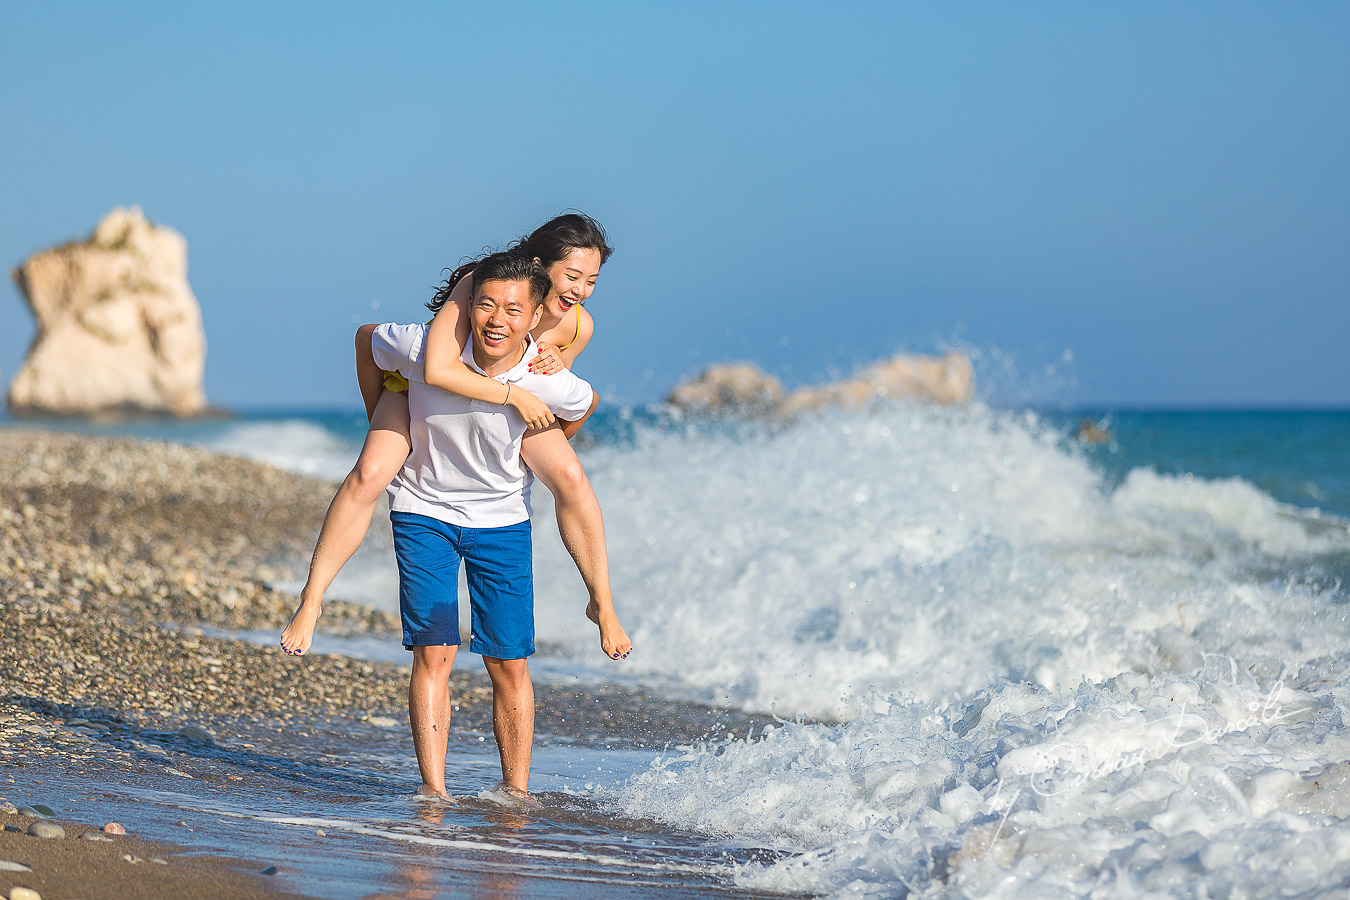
[{"x": 118, "y": 329}]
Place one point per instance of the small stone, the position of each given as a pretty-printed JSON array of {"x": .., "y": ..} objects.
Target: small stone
[
  {"x": 44, "y": 829},
  {"x": 8, "y": 808},
  {"x": 114, "y": 828},
  {"x": 45, "y": 810},
  {"x": 31, "y": 812},
  {"x": 196, "y": 734},
  {"x": 95, "y": 836},
  {"x": 127, "y": 857},
  {"x": 319, "y": 832},
  {"x": 7, "y": 866},
  {"x": 14, "y": 828},
  {"x": 23, "y": 893},
  {"x": 159, "y": 862},
  {"x": 270, "y": 870},
  {"x": 383, "y": 722}
]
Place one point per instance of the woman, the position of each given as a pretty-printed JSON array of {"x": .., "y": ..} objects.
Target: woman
[{"x": 572, "y": 247}]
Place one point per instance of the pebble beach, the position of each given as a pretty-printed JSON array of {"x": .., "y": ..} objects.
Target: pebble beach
[{"x": 122, "y": 564}]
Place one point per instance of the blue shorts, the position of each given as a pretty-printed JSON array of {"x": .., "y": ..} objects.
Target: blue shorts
[{"x": 498, "y": 564}]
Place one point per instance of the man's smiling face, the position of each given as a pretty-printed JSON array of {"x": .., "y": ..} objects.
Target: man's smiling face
[{"x": 502, "y": 316}]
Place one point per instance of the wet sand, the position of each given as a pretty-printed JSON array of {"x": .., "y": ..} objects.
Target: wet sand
[
  {"x": 87, "y": 863},
  {"x": 114, "y": 705}
]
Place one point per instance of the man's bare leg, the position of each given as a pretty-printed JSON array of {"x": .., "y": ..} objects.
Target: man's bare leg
[
  {"x": 348, "y": 518},
  {"x": 429, "y": 714},
  {"x": 512, "y": 720},
  {"x": 581, "y": 526}
]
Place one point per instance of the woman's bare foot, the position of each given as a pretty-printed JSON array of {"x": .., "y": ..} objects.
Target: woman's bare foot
[
  {"x": 613, "y": 639},
  {"x": 299, "y": 633}
]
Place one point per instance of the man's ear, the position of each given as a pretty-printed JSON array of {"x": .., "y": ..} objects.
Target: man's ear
[{"x": 538, "y": 313}]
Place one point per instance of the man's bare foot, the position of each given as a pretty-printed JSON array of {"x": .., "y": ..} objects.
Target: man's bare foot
[
  {"x": 613, "y": 639},
  {"x": 508, "y": 795},
  {"x": 299, "y": 633},
  {"x": 428, "y": 793}
]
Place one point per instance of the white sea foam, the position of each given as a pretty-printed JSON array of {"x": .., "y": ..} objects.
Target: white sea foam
[
  {"x": 933, "y": 552},
  {"x": 1167, "y": 785},
  {"x": 295, "y": 445},
  {"x": 1046, "y": 687}
]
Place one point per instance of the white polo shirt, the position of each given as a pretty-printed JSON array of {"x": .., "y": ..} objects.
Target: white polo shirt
[{"x": 465, "y": 466}]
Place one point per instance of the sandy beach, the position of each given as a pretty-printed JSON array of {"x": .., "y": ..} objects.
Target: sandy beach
[{"x": 122, "y": 560}]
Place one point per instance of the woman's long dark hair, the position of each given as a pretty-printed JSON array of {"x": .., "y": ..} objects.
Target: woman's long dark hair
[{"x": 550, "y": 242}]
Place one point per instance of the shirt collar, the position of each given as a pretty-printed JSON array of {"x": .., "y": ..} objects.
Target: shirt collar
[{"x": 512, "y": 374}]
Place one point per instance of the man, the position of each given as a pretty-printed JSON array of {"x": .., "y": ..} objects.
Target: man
[{"x": 464, "y": 493}]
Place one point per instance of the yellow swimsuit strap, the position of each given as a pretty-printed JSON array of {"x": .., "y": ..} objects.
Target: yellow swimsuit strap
[{"x": 576, "y": 334}]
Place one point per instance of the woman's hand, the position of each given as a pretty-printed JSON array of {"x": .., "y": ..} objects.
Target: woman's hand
[
  {"x": 533, "y": 410},
  {"x": 549, "y": 361}
]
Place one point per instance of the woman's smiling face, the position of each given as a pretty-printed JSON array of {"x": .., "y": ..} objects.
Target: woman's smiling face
[{"x": 573, "y": 279}]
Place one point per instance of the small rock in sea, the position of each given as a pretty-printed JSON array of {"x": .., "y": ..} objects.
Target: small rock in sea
[
  {"x": 7, "y": 866},
  {"x": 270, "y": 870},
  {"x": 8, "y": 808},
  {"x": 44, "y": 829},
  {"x": 32, "y": 812},
  {"x": 23, "y": 893},
  {"x": 319, "y": 832},
  {"x": 114, "y": 828},
  {"x": 196, "y": 734},
  {"x": 95, "y": 836},
  {"x": 383, "y": 722},
  {"x": 45, "y": 810}
]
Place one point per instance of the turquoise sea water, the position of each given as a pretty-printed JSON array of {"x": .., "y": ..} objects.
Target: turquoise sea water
[{"x": 1300, "y": 457}]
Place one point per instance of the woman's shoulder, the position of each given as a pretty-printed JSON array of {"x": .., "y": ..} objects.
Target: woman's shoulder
[
  {"x": 568, "y": 330},
  {"x": 585, "y": 324}
]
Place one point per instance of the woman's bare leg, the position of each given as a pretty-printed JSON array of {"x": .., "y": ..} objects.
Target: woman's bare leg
[
  {"x": 581, "y": 526},
  {"x": 348, "y": 518}
]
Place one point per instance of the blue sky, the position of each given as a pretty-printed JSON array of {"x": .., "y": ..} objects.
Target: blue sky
[{"x": 1159, "y": 189}]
